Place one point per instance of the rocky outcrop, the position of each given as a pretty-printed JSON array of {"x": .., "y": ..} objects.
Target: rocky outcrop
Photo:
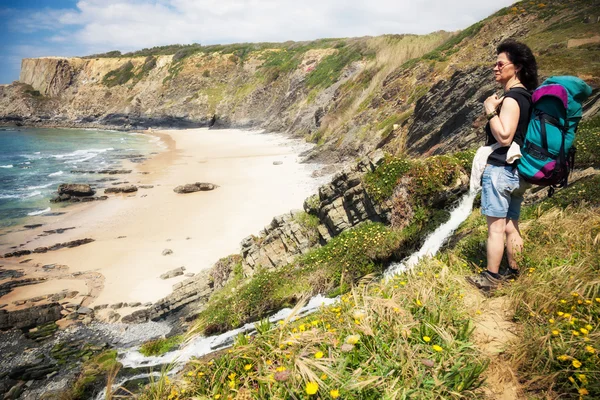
[
  {"x": 75, "y": 189},
  {"x": 195, "y": 187},
  {"x": 44, "y": 249},
  {"x": 339, "y": 205},
  {"x": 278, "y": 244},
  {"x": 30, "y": 317},
  {"x": 76, "y": 192},
  {"x": 192, "y": 290},
  {"x": 450, "y": 115},
  {"x": 121, "y": 189},
  {"x": 173, "y": 273}
]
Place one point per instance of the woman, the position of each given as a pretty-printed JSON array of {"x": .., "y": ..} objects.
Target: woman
[{"x": 502, "y": 190}]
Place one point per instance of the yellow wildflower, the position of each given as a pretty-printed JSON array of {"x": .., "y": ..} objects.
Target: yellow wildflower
[
  {"x": 247, "y": 367},
  {"x": 334, "y": 393},
  {"x": 232, "y": 375},
  {"x": 575, "y": 333},
  {"x": 572, "y": 379},
  {"x": 437, "y": 348},
  {"x": 418, "y": 302},
  {"x": 352, "y": 339},
  {"x": 576, "y": 363},
  {"x": 583, "y": 391},
  {"x": 560, "y": 313},
  {"x": 426, "y": 339},
  {"x": 280, "y": 369},
  {"x": 582, "y": 378},
  {"x": 551, "y": 320},
  {"x": 589, "y": 327},
  {"x": 555, "y": 332},
  {"x": 324, "y": 377},
  {"x": 319, "y": 354},
  {"x": 564, "y": 357},
  {"x": 268, "y": 362},
  {"x": 217, "y": 396},
  {"x": 312, "y": 388},
  {"x": 584, "y": 331},
  {"x": 590, "y": 349},
  {"x": 404, "y": 283}
]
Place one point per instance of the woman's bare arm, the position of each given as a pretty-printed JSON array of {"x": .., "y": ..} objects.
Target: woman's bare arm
[{"x": 505, "y": 125}]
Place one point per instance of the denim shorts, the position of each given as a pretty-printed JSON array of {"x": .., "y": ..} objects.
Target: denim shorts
[{"x": 502, "y": 192}]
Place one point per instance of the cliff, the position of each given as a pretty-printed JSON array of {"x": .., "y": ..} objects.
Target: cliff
[{"x": 412, "y": 93}]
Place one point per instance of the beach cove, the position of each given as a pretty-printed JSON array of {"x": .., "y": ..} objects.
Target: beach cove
[{"x": 139, "y": 237}]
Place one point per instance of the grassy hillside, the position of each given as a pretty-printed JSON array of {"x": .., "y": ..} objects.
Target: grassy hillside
[{"x": 427, "y": 334}]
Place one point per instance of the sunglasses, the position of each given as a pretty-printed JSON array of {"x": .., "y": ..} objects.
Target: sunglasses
[{"x": 501, "y": 64}]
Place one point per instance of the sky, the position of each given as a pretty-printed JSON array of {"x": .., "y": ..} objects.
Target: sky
[{"x": 38, "y": 28}]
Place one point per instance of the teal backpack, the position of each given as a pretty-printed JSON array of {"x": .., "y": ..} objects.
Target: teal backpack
[{"x": 548, "y": 151}]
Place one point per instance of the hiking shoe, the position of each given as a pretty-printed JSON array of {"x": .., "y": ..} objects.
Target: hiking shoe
[
  {"x": 509, "y": 274},
  {"x": 486, "y": 281}
]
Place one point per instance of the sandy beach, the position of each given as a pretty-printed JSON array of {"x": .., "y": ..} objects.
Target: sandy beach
[{"x": 125, "y": 261}]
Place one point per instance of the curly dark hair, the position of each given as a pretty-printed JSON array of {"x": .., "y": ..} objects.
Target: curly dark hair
[{"x": 521, "y": 56}]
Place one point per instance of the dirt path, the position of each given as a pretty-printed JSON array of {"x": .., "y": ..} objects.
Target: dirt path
[{"x": 494, "y": 330}]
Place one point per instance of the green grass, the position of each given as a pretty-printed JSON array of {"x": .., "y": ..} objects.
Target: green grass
[
  {"x": 279, "y": 63},
  {"x": 97, "y": 370},
  {"x": 449, "y": 47},
  {"x": 426, "y": 178},
  {"x": 587, "y": 143},
  {"x": 160, "y": 346},
  {"x": 119, "y": 76},
  {"x": 380, "y": 184},
  {"x": 343, "y": 260},
  {"x": 329, "y": 69},
  {"x": 409, "y": 337}
]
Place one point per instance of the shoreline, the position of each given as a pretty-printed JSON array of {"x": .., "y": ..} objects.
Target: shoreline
[{"x": 132, "y": 231}]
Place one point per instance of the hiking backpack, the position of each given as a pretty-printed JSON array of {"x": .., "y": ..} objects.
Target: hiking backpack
[{"x": 548, "y": 153}]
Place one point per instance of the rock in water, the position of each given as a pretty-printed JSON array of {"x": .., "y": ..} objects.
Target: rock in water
[{"x": 195, "y": 187}]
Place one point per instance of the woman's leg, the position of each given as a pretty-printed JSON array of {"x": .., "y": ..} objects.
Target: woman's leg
[
  {"x": 514, "y": 242},
  {"x": 495, "y": 242}
]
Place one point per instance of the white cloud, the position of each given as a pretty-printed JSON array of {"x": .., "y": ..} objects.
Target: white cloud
[{"x": 134, "y": 24}]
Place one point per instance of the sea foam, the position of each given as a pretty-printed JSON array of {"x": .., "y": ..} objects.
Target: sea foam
[{"x": 39, "y": 211}]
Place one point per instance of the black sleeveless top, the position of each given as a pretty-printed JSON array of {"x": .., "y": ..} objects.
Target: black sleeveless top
[{"x": 523, "y": 97}]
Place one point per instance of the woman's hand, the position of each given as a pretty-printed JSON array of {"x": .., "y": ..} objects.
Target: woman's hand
[{"x": 491, "y": 103}]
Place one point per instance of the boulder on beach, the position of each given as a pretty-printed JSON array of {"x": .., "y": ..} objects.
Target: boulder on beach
[
  {"x": 121, "y": 189},
  {"x": 173, "y": 273},
  {"x": 195, "y": 187},
  {"x": 75, "y": 189}
]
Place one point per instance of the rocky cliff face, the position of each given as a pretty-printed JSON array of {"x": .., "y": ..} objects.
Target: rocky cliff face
[{"x": 420, "y": 94}]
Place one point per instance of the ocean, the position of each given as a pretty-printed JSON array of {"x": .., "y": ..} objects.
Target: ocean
[{"x": 34, "y": 161}]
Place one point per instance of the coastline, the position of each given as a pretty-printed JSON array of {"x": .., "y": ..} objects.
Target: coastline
[{"x": 125, "y": 261}]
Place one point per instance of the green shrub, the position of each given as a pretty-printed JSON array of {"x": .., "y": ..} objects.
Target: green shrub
[
  {"x": 380, "y": 184},
  {"x": 160, "y": 346}
]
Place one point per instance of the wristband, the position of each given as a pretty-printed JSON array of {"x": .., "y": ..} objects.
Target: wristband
[{"x": 491, "y": 115}]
